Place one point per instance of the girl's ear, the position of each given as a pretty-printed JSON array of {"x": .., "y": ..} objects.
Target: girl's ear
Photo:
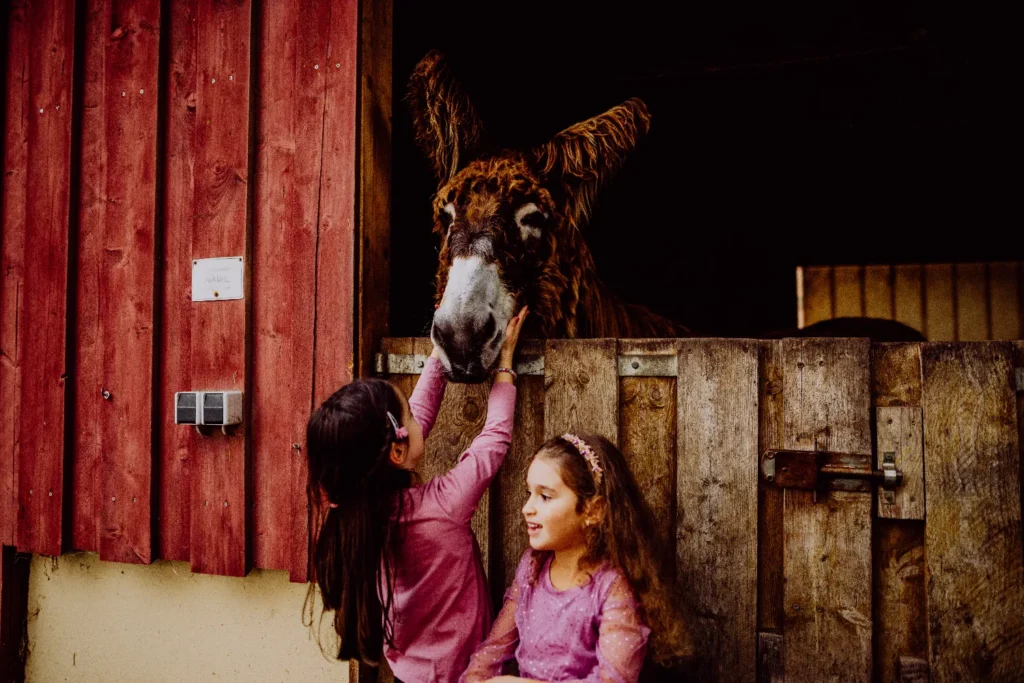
[
  {"x": 593, "y": 511},
  {"x": 399, "y": 451}
]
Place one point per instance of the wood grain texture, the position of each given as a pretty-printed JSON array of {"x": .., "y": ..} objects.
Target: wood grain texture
[
  {"x": 827, "y": 545},
  {"x": 975, "y": 562}
]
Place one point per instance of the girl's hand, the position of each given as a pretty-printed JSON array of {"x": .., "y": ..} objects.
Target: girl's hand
[{"x": 508, "y": 348}]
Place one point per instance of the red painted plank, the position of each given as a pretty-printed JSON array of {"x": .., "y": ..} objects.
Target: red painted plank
[
  {"x": 43, "y": 347},
  {"x": 220, "y": 330},
  {"x": 87, "y": 347},
  {"x": 335, "y": 284},
  {"x": 292, "y": 72},
  {"x": 177, "y": 443},
  {"x": 128, "y": 285},
  {"x": 12, "y": 260}
]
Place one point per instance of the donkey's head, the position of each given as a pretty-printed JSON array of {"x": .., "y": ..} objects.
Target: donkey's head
[{"x": 509, "y": 221}]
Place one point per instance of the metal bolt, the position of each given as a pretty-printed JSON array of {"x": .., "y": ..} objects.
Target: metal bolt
[
  {"x": 296, "y": 446},
  {"x": 105, "y": 394},
  {"x": 123, "y": 93},
  {"x": 141, "y": 91},
  {"x": 316, "y": 66},
  {"x": 51, "y": 494},
  {"x": 231, "y": 77},
  {"x": 133, "y": 499},
  {"x": 213, "y": 80},
  {"x": 225, "y": 503},
  {"x": 771, "y": 456},
  {"x": 30, "y": 491},
  {"x": 113, "y": 499},
  {"x": 206, "y": 502},
  {"x": 770, "y": 478},
  {"x": 40, "y": 111},
  {"x": 338, "y": 65},
  {"x": 636, "y": 365}
]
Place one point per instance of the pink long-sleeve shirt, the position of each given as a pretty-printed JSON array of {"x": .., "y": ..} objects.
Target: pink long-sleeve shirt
[{"x": 441, "y": 605}]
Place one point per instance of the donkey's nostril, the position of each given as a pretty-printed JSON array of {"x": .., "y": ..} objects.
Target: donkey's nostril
[
  {"x": 444, "y": 333},
  {"x": 489, "y": 327}
]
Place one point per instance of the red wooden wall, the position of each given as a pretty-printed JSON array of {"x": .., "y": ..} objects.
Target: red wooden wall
[{"x": 140, "y": 135}]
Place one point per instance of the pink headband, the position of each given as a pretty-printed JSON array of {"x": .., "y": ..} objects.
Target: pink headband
[{"x": 588, "y": 454}]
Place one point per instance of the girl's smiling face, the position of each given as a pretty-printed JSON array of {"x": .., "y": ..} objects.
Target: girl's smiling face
[{"x": 553, "y": 520}]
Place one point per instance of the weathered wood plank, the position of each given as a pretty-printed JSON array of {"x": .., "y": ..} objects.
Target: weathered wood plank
[
  {"x": 817, "y": 294},
  {"x": 527, "y": 436},
  {"x": 908, "y": 305},
  {"x": 12, "y": 260},
  {"x": 581, "y": 387},
  {"x": 940, "y": 311},
  {"x": 974, "y": 561},
  {"x": 221, "y": 330},
  {"x": 770, "y": 577},
  {"x": 972, "y": 319},
  {"x": 177, "y": 443},
  {"x": 44, "y": 352},
  {"x": 827, "y": 545},
  {"x": 849, "y": 291},
  {"x": 878, "y": 292},
  {"x": 770, "y": 658},
  {"x": 128, "y": 283},
  {"x": 716, "y": 488},
  {"x": 86, "y": 498},
  {"x": 901, "y": 619},
  {"x": 1004, "y": 297},
  {"x": 647, "y": 427},
  {"x": 896, "y": 375},
  {"x": 899, "y": 598}
]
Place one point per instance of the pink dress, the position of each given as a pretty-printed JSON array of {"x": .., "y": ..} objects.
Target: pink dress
[
  {"x": 590, "y": 633},
  {"x": 441, "y": 603}
]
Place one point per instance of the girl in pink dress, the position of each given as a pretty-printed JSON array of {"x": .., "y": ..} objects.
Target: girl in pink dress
[
  {"x": 397, "y": 562},
  {"x": 588, "y": 602}
]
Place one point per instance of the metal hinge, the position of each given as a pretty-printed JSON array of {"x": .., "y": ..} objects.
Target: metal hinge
[{"x": 826, "y": 470}]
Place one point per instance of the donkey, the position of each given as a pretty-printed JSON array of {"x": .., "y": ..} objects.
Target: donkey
[{"x": 511, "y": 227}]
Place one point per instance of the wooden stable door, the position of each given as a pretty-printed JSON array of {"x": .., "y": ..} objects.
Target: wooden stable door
[{"x": 850, "y": 581}]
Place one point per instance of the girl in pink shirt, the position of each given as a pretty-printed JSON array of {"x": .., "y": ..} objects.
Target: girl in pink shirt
[
  {"x": 588, "y": 600},
  {"x": 397, "y": 562}
]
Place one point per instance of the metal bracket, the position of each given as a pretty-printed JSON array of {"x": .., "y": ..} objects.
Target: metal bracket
[
  {"x": 412, "y": 364},
  {"x": 628, "y": 366},
  {"x": 1019, "y": 373}
]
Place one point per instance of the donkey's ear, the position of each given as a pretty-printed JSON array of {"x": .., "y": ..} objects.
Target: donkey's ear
[
  {"x": 447, "y": 127},
  {"x": 583, "y": 157}
]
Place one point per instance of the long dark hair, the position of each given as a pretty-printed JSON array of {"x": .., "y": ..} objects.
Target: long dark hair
[
  {"x": 356, "y": 495},
  {"x": 624, "y": 537}
]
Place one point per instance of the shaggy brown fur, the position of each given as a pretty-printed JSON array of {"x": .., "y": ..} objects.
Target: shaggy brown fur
[{"x": 553, "y": 274}]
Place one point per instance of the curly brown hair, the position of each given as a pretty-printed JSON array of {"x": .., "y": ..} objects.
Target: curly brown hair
[{"x": 624, "y": 537}]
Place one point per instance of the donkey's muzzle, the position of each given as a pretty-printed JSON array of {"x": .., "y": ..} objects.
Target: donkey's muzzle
[{"x": 464, "y": 348}]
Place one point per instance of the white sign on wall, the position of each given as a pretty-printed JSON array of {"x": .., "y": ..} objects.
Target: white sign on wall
[{"x": 218, "y": 279}]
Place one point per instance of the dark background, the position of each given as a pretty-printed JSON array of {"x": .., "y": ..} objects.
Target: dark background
[{"x": 781, "y": 136}]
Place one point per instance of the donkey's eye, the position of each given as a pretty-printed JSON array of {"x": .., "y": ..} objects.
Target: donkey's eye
[{"x": 530, "y": 220}]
